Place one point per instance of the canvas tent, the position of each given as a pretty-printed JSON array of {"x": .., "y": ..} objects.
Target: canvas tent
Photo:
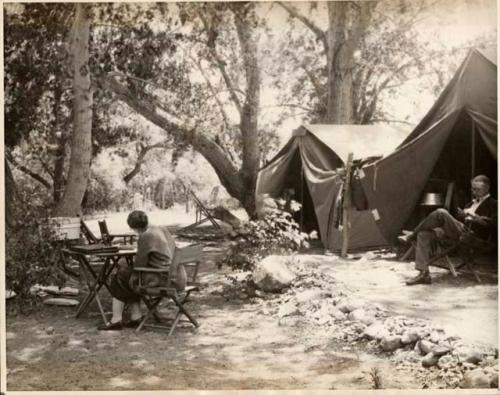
[
  {"x": 308, "y": 163},
  {"x": 456, "y": 140}
]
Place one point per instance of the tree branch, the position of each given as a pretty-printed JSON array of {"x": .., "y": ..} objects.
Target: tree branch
[
  {"x": 27, "y": 171},
  {"x": 320, "y": 34},
  {"x": 221, "y": 65},
  {"x": 200, "y": 142},
  {"x": 141, "y": 158},
  {"x": 214, "y": 93}
]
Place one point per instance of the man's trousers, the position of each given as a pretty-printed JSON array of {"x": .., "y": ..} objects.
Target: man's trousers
[{"x": 437, "y": 225}]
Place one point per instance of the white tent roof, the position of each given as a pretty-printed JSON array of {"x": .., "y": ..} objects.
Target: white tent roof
[{"x": 361, "y": 140}]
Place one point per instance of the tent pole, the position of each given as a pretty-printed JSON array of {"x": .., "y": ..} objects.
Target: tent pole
[
  {"x": 346, "y": 206},
  {"x": 302, "y": 198},
  {"x": 473, "y": 151}
]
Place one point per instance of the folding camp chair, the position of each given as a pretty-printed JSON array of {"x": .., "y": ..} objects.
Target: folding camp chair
[
  {"x": 89, "y": 235},
  {"x": 108, "y": 238},
  {"x": 202, "y": 214},
  {"x": 190, "y": 257},
  {"x": 467, "y": 248}
]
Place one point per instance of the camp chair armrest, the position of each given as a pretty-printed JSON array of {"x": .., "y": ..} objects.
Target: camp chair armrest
[{"x": 150, "y": 270}]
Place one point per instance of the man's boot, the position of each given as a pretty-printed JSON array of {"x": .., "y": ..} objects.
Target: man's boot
[{"x": 422, "y": 278}]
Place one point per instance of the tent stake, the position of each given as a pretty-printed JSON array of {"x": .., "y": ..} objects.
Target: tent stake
[{"x": 346, "y": 206}]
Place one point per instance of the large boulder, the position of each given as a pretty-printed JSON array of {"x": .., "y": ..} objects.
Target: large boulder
[
  {"x": 475, "y": 379},
  {"x": 390, "y": 343},
  {"x": 430, "y": 360},
  {"x": 409, "y": 336},
  {"x": 375, "y": 331},
  {"x": 272, "y": 274}
]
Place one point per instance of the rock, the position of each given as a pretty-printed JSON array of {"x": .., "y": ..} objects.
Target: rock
[
  {"x": 390, "y": 343},
  {"x": 375, "y": 331},
  {"x": 475, "y": 379},
  {"x": 447, "y": 362},
  {"x": 272, "y": 274},
  {"x": 425, "y": 346},
  {"x": 430, "y": 360},
  {"x": 258, "y": 293},
  {"x": 440, "y": 351},
  {"x": 435, "y": 337},
  {"x": 362, "y": 316},
  {"x": 410, "y": 336},
  {"x": 61, "y": 302},
  {"x": 9, "y": 294},
  {"x": 350, "y": 305},
  {"x": 288, "y": 309},
  {"x": 494, "y": 380},
  {"x": 467, "y": 354},
  {"x": 308, "y": 295},
  {"x": 49, "y": 330},
  {"x": 243, "y": 296},
  {"x": 337, "y": 314}
]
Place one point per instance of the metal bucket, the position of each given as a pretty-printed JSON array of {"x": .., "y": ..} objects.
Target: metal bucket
[{"x": 432, "y": 199}]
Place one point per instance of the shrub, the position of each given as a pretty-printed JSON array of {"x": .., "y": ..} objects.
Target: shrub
[
  {"x": 31, "y": 255},
  {"x": 274, "y": 234}
]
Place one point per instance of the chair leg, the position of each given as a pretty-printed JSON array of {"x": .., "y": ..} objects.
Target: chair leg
[
  {"x": 450, "y": 266},
  {"x": 151, "y": 311},
  {"x": 174, "y": 324},
  {"x": 185, "y": 312},
  {"x": 470, "y": 265},
  {"x": 408, "y": 253}
]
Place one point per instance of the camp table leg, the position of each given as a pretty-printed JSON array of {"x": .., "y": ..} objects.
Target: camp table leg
[
  {"x": 98, "y": 299},
  {"x": 101, "y": 280}
]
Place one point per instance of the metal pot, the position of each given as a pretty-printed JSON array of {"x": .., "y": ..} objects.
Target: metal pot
[{"x": 432, "y": 199}]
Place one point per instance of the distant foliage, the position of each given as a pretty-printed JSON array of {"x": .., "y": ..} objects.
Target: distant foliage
[
  {"x": 102, "y": 195},
  {"x": 275, "y": 234},
  {"x": 31, "y": 256}
]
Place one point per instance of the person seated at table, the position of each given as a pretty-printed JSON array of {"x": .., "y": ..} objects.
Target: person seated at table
[
  {"x": 478, "y": 217},
  {"x": 155, "y": 248}
]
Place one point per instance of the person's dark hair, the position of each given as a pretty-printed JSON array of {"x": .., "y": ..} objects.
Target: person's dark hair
[
  {"x": 137, "y": 219},
  {"x": 482, "y": 178}
]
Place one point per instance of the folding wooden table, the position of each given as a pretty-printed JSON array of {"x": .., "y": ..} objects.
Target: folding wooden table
[{"x": 98, "y": 276}]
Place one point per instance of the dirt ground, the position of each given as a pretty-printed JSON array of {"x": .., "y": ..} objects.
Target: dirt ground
[{"x": 239, "y": 345}]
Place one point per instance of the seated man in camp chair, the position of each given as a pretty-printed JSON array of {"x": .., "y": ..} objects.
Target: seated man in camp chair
[
  {"x": 155, "y": 248},
  {"x": 479, "y": 217}
]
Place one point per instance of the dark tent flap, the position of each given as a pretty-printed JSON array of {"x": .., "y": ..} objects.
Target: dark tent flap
[
  {"x": 393, "y": 185},
  {"x": 324, "y": 186},
  {"x": 487, "y": 128},
  {"x": 271, "y": 178}
]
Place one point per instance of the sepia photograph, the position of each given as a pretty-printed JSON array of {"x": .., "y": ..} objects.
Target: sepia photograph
[{"x": 250, "y": 196}]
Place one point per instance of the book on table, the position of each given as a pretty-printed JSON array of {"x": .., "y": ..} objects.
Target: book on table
[{"x": 94, "y": 248}]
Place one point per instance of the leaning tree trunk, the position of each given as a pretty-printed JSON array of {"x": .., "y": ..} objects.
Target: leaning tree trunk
[
  {"x": 81, "y": 143},
  {"x": 347, "y": 24}
]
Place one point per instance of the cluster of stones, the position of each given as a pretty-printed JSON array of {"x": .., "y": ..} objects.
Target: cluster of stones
[
  {"x": 314, "y": 299},
  {"x": 311, "y": 298}
]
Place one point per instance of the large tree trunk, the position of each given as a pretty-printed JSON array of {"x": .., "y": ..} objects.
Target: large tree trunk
[
  {"x": 60, "y": 138},
  {"x": 250, "y": 110},
  {"x": 347, "y": 24},
  {"x": 81, "y": 142}
]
